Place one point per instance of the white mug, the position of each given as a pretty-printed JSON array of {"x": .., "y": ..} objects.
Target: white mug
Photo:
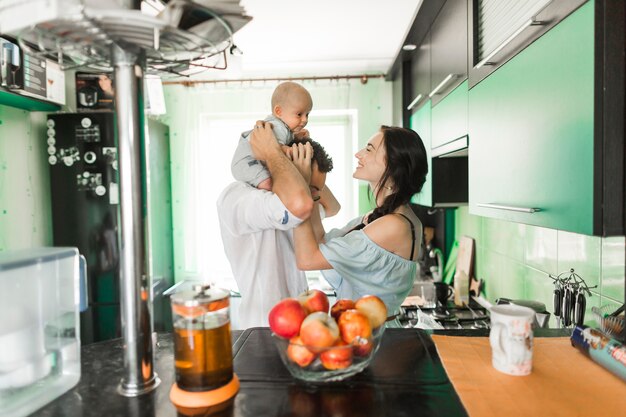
[{"x": 511, "y": 339}]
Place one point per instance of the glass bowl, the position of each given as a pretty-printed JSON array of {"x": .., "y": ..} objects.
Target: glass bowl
[{"x": 328, "y": 364}]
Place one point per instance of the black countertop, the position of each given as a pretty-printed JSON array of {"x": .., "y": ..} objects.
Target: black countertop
[{"x": 404, "y": 379}]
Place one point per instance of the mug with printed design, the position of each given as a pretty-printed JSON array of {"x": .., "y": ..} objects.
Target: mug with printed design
[{"x": 511, "y": 339}]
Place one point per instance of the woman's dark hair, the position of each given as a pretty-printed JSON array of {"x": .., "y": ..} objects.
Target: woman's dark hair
[{"x": 407, "y": 166}]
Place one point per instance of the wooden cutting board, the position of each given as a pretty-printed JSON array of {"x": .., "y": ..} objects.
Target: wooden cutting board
[{"x": 464, "y": 271}]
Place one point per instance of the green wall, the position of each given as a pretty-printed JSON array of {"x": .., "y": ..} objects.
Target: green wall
[
  {"x": 25, "y": 219},
  {"x": 514, "y": 259},
  {"x": 372, "y": 102}
]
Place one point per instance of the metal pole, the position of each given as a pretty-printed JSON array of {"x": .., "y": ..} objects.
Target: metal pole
[{"x": 135, "y": 290}]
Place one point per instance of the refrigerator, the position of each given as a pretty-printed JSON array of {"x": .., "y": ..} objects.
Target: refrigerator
[{"x": 84, "y": 185}]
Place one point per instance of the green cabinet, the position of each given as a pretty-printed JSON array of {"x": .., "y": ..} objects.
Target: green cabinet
[
  {"x": 439, "y": 101},
  {"x": 19, "y": 101},
  {"x": 449, "y": 117},
  {"x": 531, "y": 128},
  {"x": 420, "y": 122},
  {"x": 448, "y": 44}
]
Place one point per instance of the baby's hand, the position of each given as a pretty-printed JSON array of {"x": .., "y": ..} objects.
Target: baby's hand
[
  {"x": 266, "y": 184},
  {"x": 302, "y": 134}
]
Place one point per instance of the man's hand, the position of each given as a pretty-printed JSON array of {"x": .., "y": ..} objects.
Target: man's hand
[
  {"x": 262, "y": 141},
  {"x": 301, "y": 155}
]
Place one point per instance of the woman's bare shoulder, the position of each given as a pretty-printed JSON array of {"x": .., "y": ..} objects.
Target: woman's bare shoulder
[{"x": 387, "y": 231}]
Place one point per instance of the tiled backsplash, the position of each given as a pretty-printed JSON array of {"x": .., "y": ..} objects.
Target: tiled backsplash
[{"x": 514, "y": 260}]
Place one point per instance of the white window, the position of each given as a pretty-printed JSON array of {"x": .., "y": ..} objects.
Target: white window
[{"x": 334, "y": 130}]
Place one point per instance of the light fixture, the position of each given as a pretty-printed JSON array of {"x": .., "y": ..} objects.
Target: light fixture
[
  {"x": 234, "y": 50},
  {"x": 409, "y": 47}
]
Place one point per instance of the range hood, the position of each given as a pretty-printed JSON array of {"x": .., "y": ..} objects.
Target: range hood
[
  {"x": 449, "y": 165},
  {"x": 453, "y": 149}
]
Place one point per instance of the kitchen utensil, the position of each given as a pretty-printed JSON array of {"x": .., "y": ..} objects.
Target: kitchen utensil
[
  {"x": 464, "y": 270},
  {"x": 202, "y": 348},
  {"x": 443, "y": 292},
  {"x": 570, "y": 297},
  {"x": 579, "y": 308},
  {"x": 557, "y": 299},
  {"x": 511, "y": 339},
  {"x": 611, "y": 326}
]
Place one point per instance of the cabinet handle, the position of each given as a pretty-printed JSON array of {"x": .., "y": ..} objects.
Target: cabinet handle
[
  {"x": 509, "y": 208},
  {"x": 445, "y": 81},
  {"x": 486, "y": 60},
  {"x": 414, "y": 102}
]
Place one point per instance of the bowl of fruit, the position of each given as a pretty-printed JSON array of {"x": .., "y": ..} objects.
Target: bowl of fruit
[{"x": 318, "y": 344}]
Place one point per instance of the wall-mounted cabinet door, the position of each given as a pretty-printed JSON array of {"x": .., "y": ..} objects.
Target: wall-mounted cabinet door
[
  {"x": 449, "y": 117},
  {"x": 420, "y": 122},
  {"x": 420, "y": 75},
  {"x": 531, "y": 127},
  {"x": 449, "y": 50}
]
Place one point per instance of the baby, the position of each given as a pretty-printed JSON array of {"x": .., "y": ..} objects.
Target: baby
[{"x": 291, "y": 105}]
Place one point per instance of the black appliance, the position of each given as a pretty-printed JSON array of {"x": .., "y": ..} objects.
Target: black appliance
[{"x": 82, "y": 157}]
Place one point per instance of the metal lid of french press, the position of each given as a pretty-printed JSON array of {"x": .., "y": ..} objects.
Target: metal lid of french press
[{"x": 200, "y": 294}]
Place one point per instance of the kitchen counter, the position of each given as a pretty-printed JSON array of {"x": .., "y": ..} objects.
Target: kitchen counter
[{"x": 404, "y": 379}]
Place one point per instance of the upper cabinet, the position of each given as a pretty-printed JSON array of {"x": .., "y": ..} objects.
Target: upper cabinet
[
  {"x": 448, "y": 39},
  {"x": 531, "y": 124},
  {"x": 547, "y": 128},
  {"x": 438, "y": 99},
  {"x": 541, "y": 111},
  {"x": 499, "y": 29}
]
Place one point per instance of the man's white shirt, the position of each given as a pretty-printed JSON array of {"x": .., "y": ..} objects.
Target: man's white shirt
[{"x": 257, "y": 234}]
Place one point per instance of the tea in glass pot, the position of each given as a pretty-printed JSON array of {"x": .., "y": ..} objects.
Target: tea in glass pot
[{"x": 202, "y": 348}]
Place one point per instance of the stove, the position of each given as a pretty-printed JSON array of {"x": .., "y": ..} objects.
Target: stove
[{"x": 451, "y": 317}]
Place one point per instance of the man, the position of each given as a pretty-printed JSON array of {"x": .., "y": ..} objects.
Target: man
[{"x": 256, "y": 225}]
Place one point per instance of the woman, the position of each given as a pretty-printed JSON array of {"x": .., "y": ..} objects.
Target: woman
[{"x": 375, "y": 254}]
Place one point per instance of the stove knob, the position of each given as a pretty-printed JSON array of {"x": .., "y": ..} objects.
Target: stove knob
[
  {"x": 68, "y": 161},
  {"x": 52, "y": 160},
  {"x": 51, "y": 150}
]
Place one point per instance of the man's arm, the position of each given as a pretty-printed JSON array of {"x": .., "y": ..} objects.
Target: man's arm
[{"x": 288, "y": 183}]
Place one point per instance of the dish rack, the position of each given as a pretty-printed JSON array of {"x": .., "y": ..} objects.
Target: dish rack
[
  {"x": 611, "y": 322},
  {"x": 181, "y": 39}
]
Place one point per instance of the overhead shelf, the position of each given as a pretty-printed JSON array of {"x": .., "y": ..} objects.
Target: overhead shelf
[
  {"x": 24, "y": 102},
  {"x": 184, "y": 37}
]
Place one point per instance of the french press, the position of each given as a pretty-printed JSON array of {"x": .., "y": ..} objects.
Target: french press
[{"x": 202, "y": 348}]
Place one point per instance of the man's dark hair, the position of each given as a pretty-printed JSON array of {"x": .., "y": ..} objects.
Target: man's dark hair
[{"x": 324, "y": 162}]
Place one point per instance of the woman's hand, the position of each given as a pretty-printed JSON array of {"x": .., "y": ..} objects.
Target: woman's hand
[
  {"x": 262, "y": 141},
  {"x": 301, "y": 155}
]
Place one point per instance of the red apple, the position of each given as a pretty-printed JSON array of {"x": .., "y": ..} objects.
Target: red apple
[
  {"x": 340, "y": 306},
  {"x": 353, "y": 324},
  {"x": 286, "y": 317},
  {"x": 298, "y": 353},
  {"x": 337, "y": 357},
  {"x": 319, "y": 331},
  {"x": 314, "y": 300},
  {"x": 362, "y": 347},
  {"x": 374, "y": 308}
]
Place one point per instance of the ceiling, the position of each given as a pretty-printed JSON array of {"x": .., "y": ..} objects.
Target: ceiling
[{"x": 306, "y": 38}]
